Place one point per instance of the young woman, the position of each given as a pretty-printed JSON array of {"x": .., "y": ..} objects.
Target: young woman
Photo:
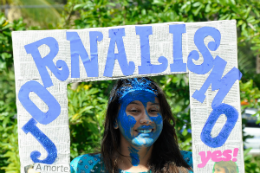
[
  {"x": 139, "y": 133},
  {"x": 225, "y": 167}
]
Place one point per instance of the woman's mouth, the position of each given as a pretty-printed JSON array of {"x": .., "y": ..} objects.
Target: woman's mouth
[{"x": 144, "y": 130}]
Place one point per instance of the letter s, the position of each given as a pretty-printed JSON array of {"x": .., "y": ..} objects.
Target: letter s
[{"x": 199, "y": 42}]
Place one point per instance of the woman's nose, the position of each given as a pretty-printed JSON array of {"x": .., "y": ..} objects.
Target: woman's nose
[{"x": 145, "y": 119}]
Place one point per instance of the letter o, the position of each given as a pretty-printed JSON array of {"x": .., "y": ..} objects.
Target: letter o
[
  {"x": 45, "y": 95},
  {"x": 232, "y": 116}
]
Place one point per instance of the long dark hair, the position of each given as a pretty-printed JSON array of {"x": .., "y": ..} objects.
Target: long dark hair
[{"x": 166, "y": 156}]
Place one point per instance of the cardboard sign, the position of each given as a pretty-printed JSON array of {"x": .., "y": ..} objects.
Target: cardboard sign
[{"x": 46, "y": 61}]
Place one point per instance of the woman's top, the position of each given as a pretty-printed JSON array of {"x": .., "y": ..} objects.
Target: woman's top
[{"x": 92, "y": 163}]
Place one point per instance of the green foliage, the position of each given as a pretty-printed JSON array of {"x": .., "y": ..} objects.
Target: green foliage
[
  {"x": 87, "y": 103},
  {"x": 41, "y": 16},
  {"x": 6, "y": 50},
  {"x": 87, "y": 107},
  {"x": 9, "y": 156},
  {"x": 249, "y": 95},
  {"x": 41, "y": 12},
  {"x": 252, "y": 163}
]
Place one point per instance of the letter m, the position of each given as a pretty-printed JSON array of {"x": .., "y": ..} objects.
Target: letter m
[
  {"x": 47, "y": 168},
  {"x": 223, "y": 84}
]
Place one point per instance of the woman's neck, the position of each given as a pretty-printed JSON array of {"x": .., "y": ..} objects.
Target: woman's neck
[{"x": 133, "y": 159}]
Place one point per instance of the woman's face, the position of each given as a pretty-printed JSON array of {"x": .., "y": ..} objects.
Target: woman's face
[
  {"x": 139, "y": 118},
  {"x": 219, "y": 169}
]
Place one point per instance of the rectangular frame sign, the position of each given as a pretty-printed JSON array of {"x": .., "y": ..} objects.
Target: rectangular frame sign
[{"x": 46, "y": 61}]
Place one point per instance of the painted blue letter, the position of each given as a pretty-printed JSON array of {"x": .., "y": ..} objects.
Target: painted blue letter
[
  {"x": 199, "y": 37},
  {"x": 45, "y": 95},
  {"x": 116, "y": 37},
  {"x": 49, "y": 146},
  {"x": 232, "y": 116},
  {"x": 77, "y": 49},
  {"x": 177, "y": 31},
  {"x": 146, "y": 66},
  {"x": 224, "y": 84},
  {"x": 61, "y": 71}
]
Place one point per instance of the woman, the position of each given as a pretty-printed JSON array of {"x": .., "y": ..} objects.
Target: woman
[
  {"x": 139, "y": 133},
  {"x": 225, "y": 167}
]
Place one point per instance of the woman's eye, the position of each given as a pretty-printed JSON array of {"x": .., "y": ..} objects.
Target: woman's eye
[
  {"x": 134, "y": 110},
  {"x": 154, "y": 110}
]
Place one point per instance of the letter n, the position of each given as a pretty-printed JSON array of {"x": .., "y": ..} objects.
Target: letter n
[{"x": 77, "y": 49}]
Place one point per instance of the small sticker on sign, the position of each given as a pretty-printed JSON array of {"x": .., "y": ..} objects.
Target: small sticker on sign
[{"x": 51, "y": 168}]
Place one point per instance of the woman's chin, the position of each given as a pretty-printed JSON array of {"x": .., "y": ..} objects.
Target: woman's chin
[{"x": 143, "y": 142}]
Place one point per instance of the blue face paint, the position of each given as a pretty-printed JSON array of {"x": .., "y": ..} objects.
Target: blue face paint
[
  {"x": 134, "y": 156},
  {"x": 129, "y": 124},
  {"x": 134, "y": 84}
]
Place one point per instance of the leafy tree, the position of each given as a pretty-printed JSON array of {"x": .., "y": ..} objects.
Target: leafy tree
[
  {"x": 44, "y": 17},
  {"x": 86, "y": 118},
  {"x": 9, "y": 156},
  {"x": 87, "y": 107},
  {"x": 249, "y": 94}
]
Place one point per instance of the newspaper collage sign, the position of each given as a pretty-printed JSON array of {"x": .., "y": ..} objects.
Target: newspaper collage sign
[{"x": 46, "y": 61}]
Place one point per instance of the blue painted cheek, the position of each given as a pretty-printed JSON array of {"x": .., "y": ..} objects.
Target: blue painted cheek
[
  {"x": 126, "y": 122},
  {"x": 159, "y": 125}
]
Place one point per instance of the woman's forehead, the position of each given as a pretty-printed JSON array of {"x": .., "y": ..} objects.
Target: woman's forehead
[
  {"x": 137, "y": 102},
  {"x": 219, "y": 167},
  {"x": 142, "y": 96}
]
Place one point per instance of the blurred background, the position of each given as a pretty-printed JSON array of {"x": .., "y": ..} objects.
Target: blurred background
[{"x": 88, "y": 101}]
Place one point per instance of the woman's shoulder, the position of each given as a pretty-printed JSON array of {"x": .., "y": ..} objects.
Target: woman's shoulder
[
  {"x": 85, "y": 163},
  {"x": 187, "y": 156},
  {"x": 92, "y": 163}
]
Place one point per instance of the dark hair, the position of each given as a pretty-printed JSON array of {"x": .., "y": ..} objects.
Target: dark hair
[{"x": 166, "y": 156}]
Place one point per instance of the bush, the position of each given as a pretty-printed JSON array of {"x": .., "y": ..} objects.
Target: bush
[{"x": 9, "y": 155}]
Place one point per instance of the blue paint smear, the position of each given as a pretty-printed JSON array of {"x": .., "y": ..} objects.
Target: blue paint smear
[
  {"x": 134, "y": 84},
  {"x": 134, "y": 156},
  {"x": 127, "y": 122}
]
